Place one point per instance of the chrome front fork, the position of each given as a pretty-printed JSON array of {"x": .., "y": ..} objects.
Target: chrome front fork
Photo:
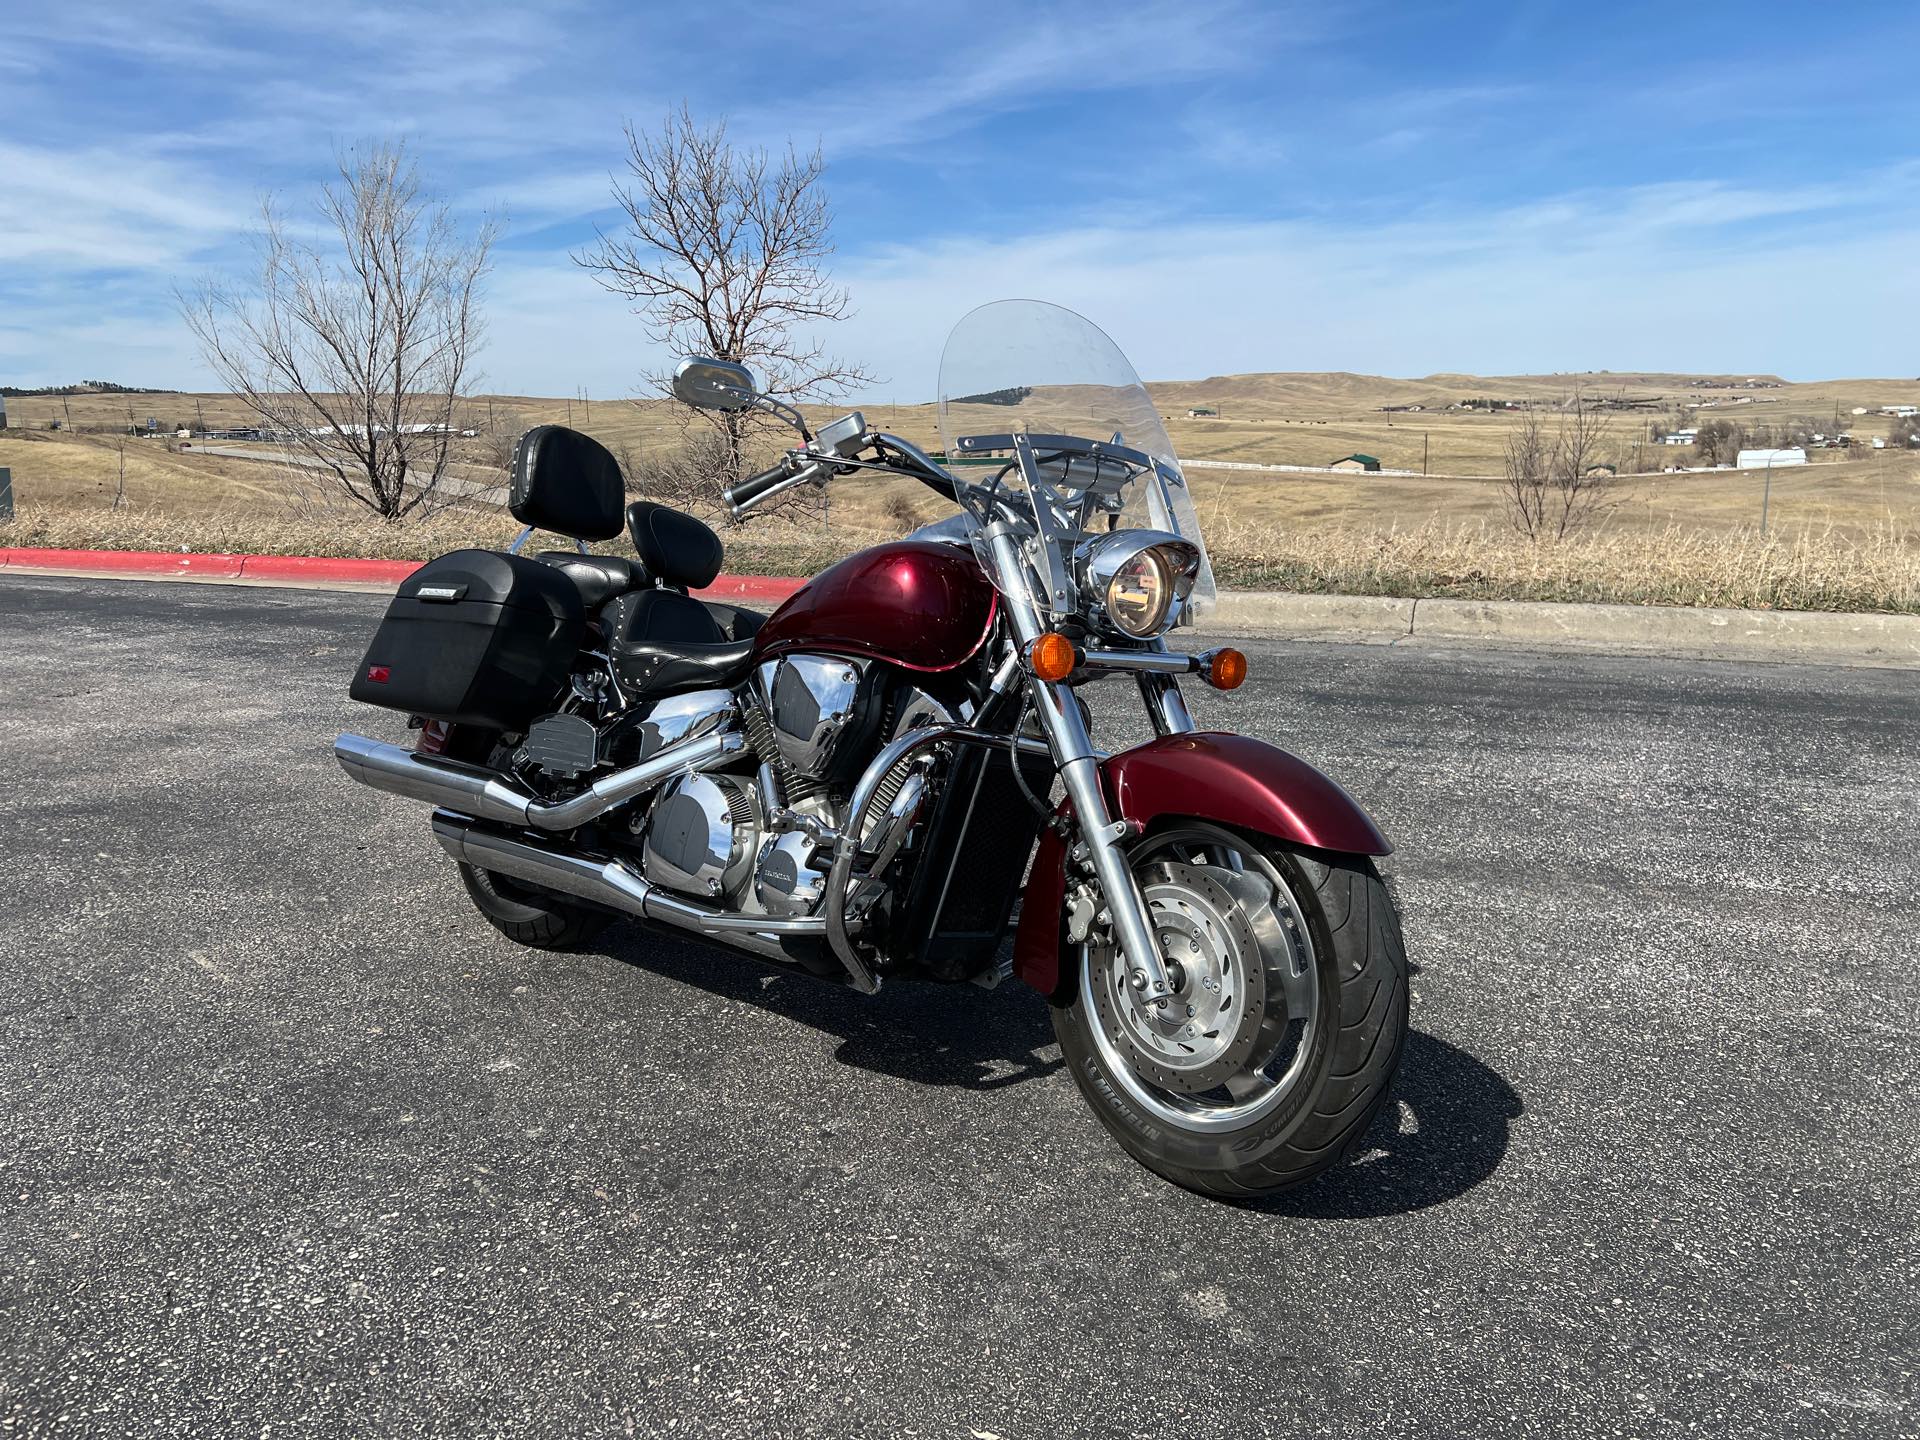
[{"x": 1066, "y": 730}]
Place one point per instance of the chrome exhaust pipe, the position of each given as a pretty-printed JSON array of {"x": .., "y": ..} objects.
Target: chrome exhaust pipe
[
  {"x": 614, "y": 885},
  {"x": 475, "y": 790}
]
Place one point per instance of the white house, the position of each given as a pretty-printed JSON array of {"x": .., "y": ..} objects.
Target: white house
[
  {"x": 1770, "y": 459},
  {"x": 1680, "y": 437}
]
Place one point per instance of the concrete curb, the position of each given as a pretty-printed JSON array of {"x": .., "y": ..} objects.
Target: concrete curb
[
  {"x": 1779, "y": 635},
  {"x": 1783, "y": 636},
  {"x": 1375, "y": 619},
  {"x": 1805, "y": 636}
]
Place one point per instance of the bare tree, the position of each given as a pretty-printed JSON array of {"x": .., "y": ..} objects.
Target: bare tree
[
  {"x": 1529, "y": 474},
  {"x": 689, "y": 478},
  {"x": 353, "y": 349},
  {"x": 1718, "y": 442},
  {"x": 497, "y": 436},
  {"x": 724, "y": 253},
  {"x": 1554, "y": 486}
]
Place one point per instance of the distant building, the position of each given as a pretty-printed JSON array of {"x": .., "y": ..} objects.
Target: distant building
[
  {"x": 1595, "y": 472},
  {"x": 1356, "y": 462},
  {"x": 1769, "y": 459},
  {"x": 1902, "y": 411},
  {"x": 1680, "y": 437},
  {"x": 1203, "y": 412}
]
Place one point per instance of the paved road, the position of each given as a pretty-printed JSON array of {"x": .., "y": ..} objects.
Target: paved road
[{"x": 294, "y": 1144}]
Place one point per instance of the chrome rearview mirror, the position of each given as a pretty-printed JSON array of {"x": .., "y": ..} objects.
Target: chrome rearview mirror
[{"x": 708, "y": 384}]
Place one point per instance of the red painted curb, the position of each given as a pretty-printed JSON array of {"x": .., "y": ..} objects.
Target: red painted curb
[
  {"x": 316, "y": 567},
  {"x": 763, "y": 589},
  {"x": 159, "y": 564},
  {"x": 131, "y": 562}
]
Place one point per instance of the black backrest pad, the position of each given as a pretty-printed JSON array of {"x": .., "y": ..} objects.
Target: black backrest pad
[
  {"x": 674, "y": 547},
  {"x": 598, "y": 578},
  {"x": 566, "y": 482}
]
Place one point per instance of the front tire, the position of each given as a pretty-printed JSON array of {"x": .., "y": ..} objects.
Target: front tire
[{"x": 1304, "y": 947}]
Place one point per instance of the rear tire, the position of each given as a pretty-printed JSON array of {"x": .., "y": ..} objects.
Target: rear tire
[
  {"x": 526, "y": 916},
  {"x": 531, "y": 917},
  {"x": 1248, "y": 1143}
]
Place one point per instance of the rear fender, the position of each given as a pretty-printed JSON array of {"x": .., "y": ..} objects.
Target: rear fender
[{"x": 1230, "y": 780}]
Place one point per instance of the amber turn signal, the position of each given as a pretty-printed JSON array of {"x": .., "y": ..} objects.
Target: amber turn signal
[
  {"x": 1052, "y": 656},
  {"x": 1226, "y": 669}
]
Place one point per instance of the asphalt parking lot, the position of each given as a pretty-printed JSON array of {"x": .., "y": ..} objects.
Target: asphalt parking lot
[{"x": 294, "y": 1144}]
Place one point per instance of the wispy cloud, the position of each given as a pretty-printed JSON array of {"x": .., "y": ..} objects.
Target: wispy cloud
[
  {"x": 56, "y": 214},
  {"x": 998, "y": 59},
  {"x": 1233, "y": 184},
  {"x": 1658, "y": 276}
]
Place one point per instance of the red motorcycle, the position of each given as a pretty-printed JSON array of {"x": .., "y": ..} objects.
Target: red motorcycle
[{"x": 857, "y": 785}]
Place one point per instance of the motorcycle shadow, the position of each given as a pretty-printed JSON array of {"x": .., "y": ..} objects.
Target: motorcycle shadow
[
  {"x": 1443, "y": 1130},
  {"x": 958, "y": 1035}
]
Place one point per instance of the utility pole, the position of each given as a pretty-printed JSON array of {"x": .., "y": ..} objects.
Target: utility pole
[{"x": 1424, "y": 437}]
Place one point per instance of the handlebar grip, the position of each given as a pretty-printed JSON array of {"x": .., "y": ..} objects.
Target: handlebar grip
[{"x": 738, "y": 497}]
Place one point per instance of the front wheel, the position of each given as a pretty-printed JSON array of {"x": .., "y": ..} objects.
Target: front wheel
[{"x": 1279, "y": 1045}]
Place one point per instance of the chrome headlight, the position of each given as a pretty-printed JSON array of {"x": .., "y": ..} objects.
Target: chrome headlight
[{"x": 1135, "y": 580}]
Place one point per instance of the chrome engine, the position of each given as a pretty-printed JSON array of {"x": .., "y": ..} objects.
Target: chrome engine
[
  {"x": 702, "y": 832},
  {"x": 812, "y": 703},
  {"x": 789, "y": 879},
  {"x": 765, "y": 846}
]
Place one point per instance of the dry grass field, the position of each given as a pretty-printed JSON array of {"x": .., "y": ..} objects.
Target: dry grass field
[{"x": 1845, "y": 531}]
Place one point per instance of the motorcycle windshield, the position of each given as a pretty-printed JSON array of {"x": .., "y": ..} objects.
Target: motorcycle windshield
[{"x": 1025, "y": 365}]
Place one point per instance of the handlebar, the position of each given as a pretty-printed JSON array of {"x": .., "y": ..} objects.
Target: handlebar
[
  {"x": 754, "y": 488},
  {"x": 799, "y": 468}
]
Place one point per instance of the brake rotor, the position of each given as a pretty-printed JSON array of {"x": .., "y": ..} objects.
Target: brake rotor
[{"x": 1205, "y": 1032}]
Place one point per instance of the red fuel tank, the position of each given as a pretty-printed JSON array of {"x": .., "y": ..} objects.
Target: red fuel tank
[{"x": 910, "y": 603}]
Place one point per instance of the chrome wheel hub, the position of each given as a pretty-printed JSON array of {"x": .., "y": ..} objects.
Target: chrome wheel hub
[
  {"x": 1225, "y": 916},
  {"x": 1206, "y": 1030}
]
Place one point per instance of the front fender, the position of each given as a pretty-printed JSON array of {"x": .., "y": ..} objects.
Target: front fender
[{"x": 1229, "y": 779}]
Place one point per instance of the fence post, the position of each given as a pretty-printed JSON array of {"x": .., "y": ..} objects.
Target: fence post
[{"x": 6, "y": 493}]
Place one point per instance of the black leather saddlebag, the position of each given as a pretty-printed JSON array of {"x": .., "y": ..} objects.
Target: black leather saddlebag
[{"x": 475, "y": 638}]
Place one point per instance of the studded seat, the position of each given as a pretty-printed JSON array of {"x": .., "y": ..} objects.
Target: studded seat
[{"x": 660, "y": 642}]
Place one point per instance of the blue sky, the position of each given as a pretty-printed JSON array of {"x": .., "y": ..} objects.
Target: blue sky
[{"x": 1398, "y": 189}]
